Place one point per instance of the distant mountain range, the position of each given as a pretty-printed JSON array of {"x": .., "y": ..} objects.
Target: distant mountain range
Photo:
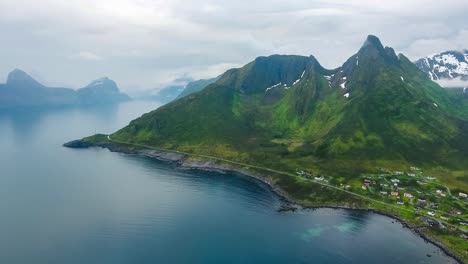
[
  {"x": 177, "y": 89},
  {"x": 196, "y": 86},
  {"x": 22, "y": 90},
  {"x": 445, "y": 67},
  {"x": 286, "y": 111}
]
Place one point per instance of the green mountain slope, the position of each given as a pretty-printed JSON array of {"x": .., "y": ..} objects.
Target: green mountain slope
[{"x": 288, "y": 111}]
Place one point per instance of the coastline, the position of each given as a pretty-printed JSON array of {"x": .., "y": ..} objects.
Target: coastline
[{"x": 182, "y": 161}]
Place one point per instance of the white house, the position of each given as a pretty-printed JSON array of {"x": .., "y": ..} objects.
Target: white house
[
  {"x": 462, "y": 195},
  {"x": 408, "y": 195}
]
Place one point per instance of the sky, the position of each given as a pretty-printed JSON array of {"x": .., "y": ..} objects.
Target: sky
[{"x": 145, "y": 44}]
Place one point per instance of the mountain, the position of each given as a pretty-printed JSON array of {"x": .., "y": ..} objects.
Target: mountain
[
  {"x": 179, "y": 88},
  {"x": 169, "y": 93},
  {"x": 446, "y": 65},
  {"x": 22, "y": 90},
  {"x": 288, "y": 112},
  {"x": 196, "y": 86},
  {"x": 103, "y": 90}
]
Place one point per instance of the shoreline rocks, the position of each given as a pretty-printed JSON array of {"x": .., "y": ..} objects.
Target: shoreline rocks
[{"x": 288, "y": 204}]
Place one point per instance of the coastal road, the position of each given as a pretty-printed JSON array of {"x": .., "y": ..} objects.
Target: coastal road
[{"x": 278, "y": 172}]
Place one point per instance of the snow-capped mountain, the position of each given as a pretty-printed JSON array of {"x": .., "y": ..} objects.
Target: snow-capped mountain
[{"x": 446, "y": 65}]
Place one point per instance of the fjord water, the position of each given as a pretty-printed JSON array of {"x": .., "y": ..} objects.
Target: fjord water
[{"x": 62, "y": 205}]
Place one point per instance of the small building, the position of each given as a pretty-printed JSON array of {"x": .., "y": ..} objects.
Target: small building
[
  {"x": 462, "y": 195},
  {"x": 400, "y": 203},
  {"x": 438, "y": 191},
  {"x": 394, "y": 193},
  {"x": 408, "y": 195},
  {"x": 421, "y": 202},
  {"x": 411, "y": 174},
  {"x": 367, "y": 181},
  {"x": 383, "y": 192},
  {"x": 398, "y": 173},
  {"x": 395, "y": 180},
  {"x": 364, "y": 187},
  {"x": 431, "y": 213}
]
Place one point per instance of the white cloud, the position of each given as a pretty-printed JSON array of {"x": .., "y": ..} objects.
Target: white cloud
[
  {"x": 87, "y": 55},
  {"x": 146, "y": 43},
  {"x": 426, "y": 46},
  {"x": 453, "y": 83}
]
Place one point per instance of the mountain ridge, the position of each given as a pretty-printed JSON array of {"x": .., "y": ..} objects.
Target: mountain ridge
[
  {"x": 376, "y": 106},
  {"x": 23, "y": 90},
  {"x": 196, "y": 86},
  {"x": 447, "y": 65}
]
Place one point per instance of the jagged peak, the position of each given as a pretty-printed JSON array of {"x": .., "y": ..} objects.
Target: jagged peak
[
  {"x": 373, "y": 41},
  {"x": 374, "y": 49}
]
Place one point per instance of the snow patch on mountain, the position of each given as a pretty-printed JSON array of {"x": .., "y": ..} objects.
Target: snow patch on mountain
[
  {"x": 447, "y": 65},
  {"x": 343, "y": 85},
  {"x": 273, "y": 86}
]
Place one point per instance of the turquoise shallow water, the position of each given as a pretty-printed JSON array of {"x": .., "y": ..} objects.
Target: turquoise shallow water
[{"x": 60, "y": 205}]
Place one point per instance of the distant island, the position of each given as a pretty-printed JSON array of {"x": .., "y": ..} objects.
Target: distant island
[
  {"x": 21, "y": 90},
  {"x": 375, "y": 133}
]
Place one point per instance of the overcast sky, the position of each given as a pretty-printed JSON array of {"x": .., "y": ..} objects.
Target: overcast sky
[{"x": 144, "y": 44}]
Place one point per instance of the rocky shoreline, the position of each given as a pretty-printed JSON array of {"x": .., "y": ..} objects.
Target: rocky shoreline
[{"x": 289, "y": 204}]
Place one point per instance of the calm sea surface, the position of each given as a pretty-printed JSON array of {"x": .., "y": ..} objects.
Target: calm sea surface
[{"x": 60, "y": 205}]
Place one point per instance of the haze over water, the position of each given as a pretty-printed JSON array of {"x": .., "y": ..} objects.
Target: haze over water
[{"x": 62, "y": 205}]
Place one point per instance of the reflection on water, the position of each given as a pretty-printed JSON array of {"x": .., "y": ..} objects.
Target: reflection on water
[
  {"x": 25, "y": 121},
  {"x": 61, "y": 205},
  {"x": 311, "y": 233}
]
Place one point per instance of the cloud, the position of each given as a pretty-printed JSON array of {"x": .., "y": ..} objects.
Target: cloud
[
  {"x": 87, "y": 55},
  {"x": 147, "y": 43},
  {"x": 423, "y": 47},
  {"x": 455, "y": 83}
]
